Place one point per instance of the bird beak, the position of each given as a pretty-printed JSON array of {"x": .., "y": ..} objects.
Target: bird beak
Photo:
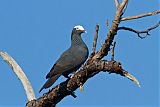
[{"x": 84, "y": 31}]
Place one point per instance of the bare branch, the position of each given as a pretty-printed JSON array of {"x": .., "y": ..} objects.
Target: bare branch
[
  {"x": 125, "y": 8},
  {"x": 107, "y": 23},
  {"x": 95, "y": 39},
  {"x": 123, "y": 5},
  {"x": 20, "y": 75},
  {"x": 65, "y": 88},
  {"x": 113, "y": 31},
  {"x": 132, "y": 78},
  {"x": 122, "y": 72},
  {"x": 141, "y": 15},
  {"x": 116, "y": 3},
  {"x": 113, "y": 51},
  {"x": 138, "y": 32}
]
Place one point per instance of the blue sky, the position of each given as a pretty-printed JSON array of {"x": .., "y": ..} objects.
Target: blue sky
[{"x": 36, "y": 32}]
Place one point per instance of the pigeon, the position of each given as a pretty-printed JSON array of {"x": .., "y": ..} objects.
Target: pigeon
[{"x": 71, "y": 60}]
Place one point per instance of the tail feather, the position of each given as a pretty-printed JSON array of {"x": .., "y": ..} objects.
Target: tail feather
[{"x": 49, "y": 82}]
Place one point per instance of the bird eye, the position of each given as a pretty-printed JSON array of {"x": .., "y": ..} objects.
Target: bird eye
[{"x": 77, "y": 28}]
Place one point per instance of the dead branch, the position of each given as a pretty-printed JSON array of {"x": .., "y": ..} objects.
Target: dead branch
[
  {"x": 20, "y": 75},
  {"x": 141, "y": 15},
  {"x": 114, "y": 44},
  {"x": 116, "y": 3},
  {"x": 95, "y": 39},
  {"x": 132, "y": 78},
  {"x": 138, "y": 32},
  {"x": 65, "y": 88},
  {"x": 113, "y": 31}
]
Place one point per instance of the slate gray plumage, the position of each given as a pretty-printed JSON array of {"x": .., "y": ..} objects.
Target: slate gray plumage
[{"x": 70, "y": 60}]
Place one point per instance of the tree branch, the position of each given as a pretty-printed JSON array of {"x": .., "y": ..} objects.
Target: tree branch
[
  {"x": 132, "y": 78},
  {"x": 138, "y": 32},
  {"x": 20, "y": 75},
  {"x": 141, "y": 15},
  {"x": 116, "y": 3},
  {"x": 95, "y": 39},
  {"x": 65, "y": 88},
  {"x": 113, "y": 31},
  {"x": 113, "y": 51}
]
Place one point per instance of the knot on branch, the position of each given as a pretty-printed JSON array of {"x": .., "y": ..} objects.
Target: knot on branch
[{"x": 115, "y": 67}]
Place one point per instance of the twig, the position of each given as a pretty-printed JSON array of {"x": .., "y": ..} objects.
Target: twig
[
  {"x": 141, "y": 15},
  {"x": 101, "y": 43},
  {"x": 116, "y": 3},
  {"x": 113, "y": 51},
  {"x": 125, "y": 8},
  {"x": 95, "y": 39},
  {"x": 112, "y": 32},
  {"x": 107, "y": 23},
  {"x": 20, "y": 75},
  {"x": 138, "y": 32},
  {"x": 132, "y": 78}
]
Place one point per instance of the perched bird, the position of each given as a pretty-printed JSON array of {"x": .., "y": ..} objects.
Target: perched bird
[{"x": 70, "y": 60}]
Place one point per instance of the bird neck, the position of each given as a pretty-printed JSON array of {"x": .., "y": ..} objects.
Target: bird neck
[{"x": 76, "y": 40}]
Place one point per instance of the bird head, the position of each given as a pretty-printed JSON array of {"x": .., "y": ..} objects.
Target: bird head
[{"x": 79, "y": 29}]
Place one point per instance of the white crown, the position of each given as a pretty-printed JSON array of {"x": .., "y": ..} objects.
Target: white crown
[{"x": 79, "y": 27}]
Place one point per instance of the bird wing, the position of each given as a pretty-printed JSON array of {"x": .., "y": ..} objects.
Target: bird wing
[{"x": 69, "y": 60}]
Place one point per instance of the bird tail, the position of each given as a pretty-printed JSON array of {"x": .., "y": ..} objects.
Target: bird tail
[{"x": 49, "y": 82}]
